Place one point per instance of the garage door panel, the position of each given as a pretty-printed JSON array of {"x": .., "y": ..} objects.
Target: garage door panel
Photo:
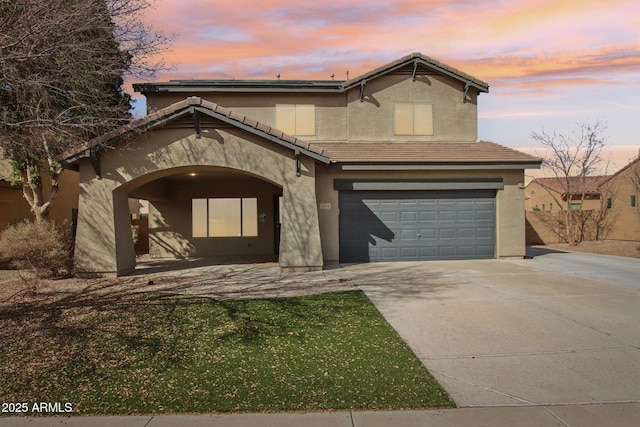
[
  {"x": 484, "y": 251},
  {"x": 466, "y": 233},
  {"x": 416, "y": 225},
  {"x": 466, "y": 251},
  {"x": 484, "y": 215},
  {"x": 410, "y": 234},
  {"x": 428, "y": 252},
  {"x": 409, "y": 216},
  {"x": 466, "y": 215},
  {"x": 446, "y": 215},
  {"x": 446, "y": 251},
  {"x": 428, "y": 216},
  {"x": 485, "y": 233},
  {"x": 389, "y": 216},
  {"x": 411, "y": 252}
]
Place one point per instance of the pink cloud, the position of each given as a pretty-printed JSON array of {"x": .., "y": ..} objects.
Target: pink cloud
[{"x": 538, "y": 49}]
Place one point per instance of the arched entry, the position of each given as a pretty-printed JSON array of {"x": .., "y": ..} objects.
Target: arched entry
[
  {"x": 225, "y": 146},
  {"x": 206, "y": 211}
]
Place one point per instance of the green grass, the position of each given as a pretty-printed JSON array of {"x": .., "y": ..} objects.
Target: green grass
[{"x": 154, "y": 353}]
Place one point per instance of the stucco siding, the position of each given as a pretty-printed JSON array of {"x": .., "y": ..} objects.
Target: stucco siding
[
  {"x": 330, "y": 117},
  {"x": 171, "y": 220},
  {"x": 373, "y": 119},
  {"x": 167, "y": 152},
  {"x": 625, "y": 218}
]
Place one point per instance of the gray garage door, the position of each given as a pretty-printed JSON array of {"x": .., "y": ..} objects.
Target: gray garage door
[{"x": 416, "y": 225}]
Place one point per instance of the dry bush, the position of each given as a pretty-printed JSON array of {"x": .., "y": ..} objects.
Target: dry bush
[{"x": 41, "y": 247}]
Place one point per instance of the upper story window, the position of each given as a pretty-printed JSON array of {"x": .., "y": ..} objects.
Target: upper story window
[
  {"x": 296, "y": 119},
  {"x": 414, "y": 119}
]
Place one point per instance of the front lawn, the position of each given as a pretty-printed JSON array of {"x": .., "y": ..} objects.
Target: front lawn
[{"x": 126, "y": 353}]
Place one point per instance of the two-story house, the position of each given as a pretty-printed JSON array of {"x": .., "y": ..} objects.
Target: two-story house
[{"x": 383, "y": 167}]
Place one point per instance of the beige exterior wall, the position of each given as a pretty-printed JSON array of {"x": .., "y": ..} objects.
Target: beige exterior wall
[
  {"x": 342, "y": 117},
  {"x": 174, "y": 216},
  {"x": 373, "y": 119},
  {"x": 331, "y": 122},
  {"x": 625, "y": 218},
  {"x": 510, "y": 240},
  {"x": 103, "y": 243},
  {"x": 548, "y": 200}
]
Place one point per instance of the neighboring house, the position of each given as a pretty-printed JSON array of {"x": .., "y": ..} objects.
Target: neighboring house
[
  {"x": 608, "y": 210},
  {"x": 549, "y": 194},
  {"x": 623, "y": 190},
  {"x": 14, "y": 208},
  {"x": 547, "y": 198},
  {"x": 383, "y": 167}
]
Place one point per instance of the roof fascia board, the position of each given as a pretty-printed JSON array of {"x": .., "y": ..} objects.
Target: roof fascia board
[
  {"x": 363, "y": 80},
  {"x": 202, "y": 89},
  {"x": 454, "y": 75},
  {"x": 90, "y": 151},
  {"x": 263, "y": 134},
  {"x": 299, "y": 86},
  {"x": 239, "y": 86},
  {"x": 415, "y": 61},
  {"x": 430, "y": 166},
  {"x": 87, "y": 153}
]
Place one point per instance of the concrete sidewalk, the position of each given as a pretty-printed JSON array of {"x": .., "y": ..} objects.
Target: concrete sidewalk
[{"x": 620, "y": 415}]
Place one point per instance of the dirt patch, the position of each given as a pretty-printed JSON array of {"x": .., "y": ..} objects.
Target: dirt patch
[
  {"x": 605, "y": 247},
  {"x": 16, "y": 286}
]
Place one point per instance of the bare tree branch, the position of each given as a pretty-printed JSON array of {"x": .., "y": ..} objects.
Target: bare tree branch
[
  {"x": 62, "y": 65},
  {"x": 571, "y": 159}
]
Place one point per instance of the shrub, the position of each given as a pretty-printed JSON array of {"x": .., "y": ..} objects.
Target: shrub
[{"x": 42, "y": 247}]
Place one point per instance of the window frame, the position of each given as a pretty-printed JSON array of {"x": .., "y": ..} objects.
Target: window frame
[
  {"x": 246, "y": 220},
  {"x": 417, "y": 125},
  {"x": 296, "y": 112}
]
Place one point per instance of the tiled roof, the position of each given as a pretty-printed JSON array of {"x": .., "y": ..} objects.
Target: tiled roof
[
  {"x": 423, "y": 152},
  {"x": 425, "y": 60},
  {"x": 578, "y": 185},
  {"x": 183, "y": 108},
  {"x": 331, "y": 86}
]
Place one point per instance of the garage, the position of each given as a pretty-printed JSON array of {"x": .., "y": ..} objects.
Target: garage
[{"x": 417, "y": 225}]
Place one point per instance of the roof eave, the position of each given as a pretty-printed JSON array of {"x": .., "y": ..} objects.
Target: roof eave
[
  {"x": 397, "y": 166},
  {"x": 185, "y": 107},
  {"x": 267, "y": 86},
  {"x": 425, "y": 61}
]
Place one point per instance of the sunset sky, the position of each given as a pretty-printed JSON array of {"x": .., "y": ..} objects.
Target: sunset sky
[{"x": 549, "y": 63}]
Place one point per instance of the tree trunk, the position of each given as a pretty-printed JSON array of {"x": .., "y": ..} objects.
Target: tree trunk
[{"x": 32, "y": 191}]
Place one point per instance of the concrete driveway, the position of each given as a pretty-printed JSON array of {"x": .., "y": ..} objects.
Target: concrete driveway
[{"x": 509, "y": 333}]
